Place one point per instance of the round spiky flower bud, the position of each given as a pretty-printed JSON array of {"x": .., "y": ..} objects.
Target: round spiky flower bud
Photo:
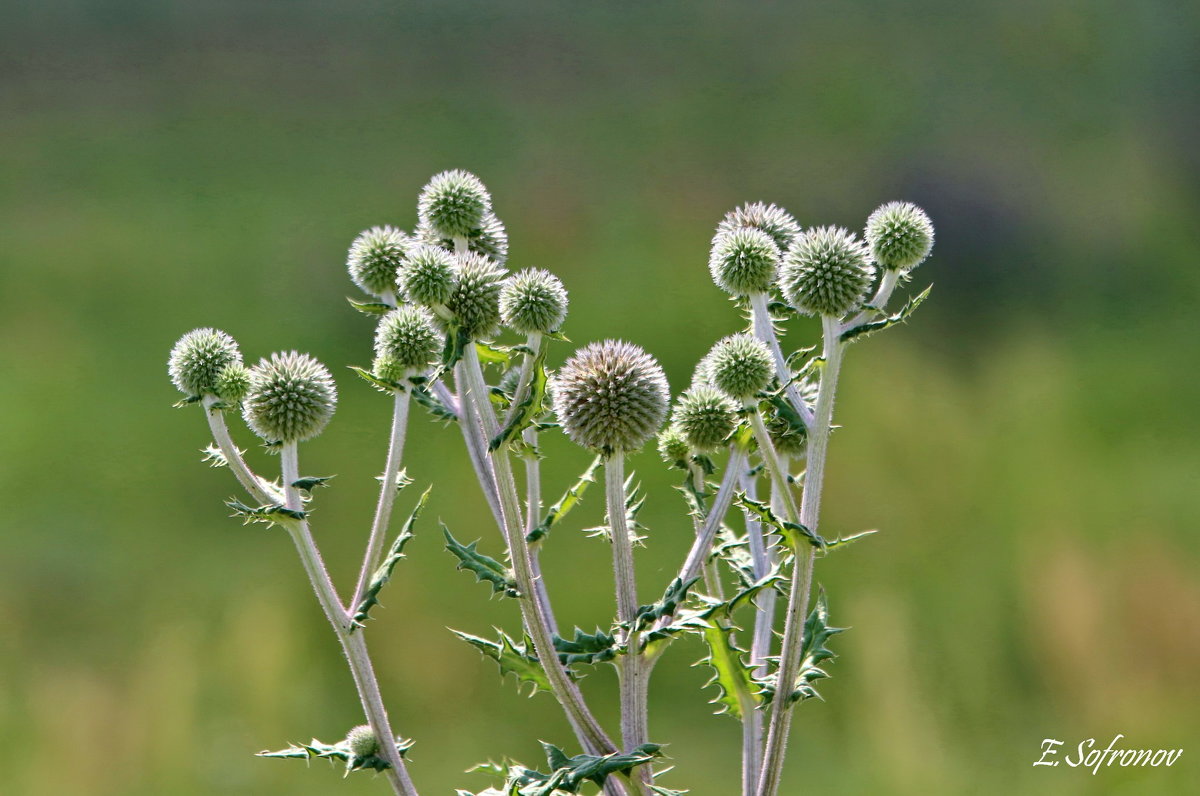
[
  {"x": 198, "y": 358},
  {"x": 744, "y": 261},
  {"x": 705, "y": 416},
  {"x": 233, "y": 383},
  {"x": 475, "y": 300},
  {"x": 490, "y": 239},
  {"x": 673, "y": 446},
  {"x": 291, "y": 398},
  {"x": 773, "y": 220},
  {"x": 533, "y": 301},
  {"x": 427, "y": 275},
  {"x": 900, "y": 235},
  {"x": 408, "y": 340},
  {"x": 610, "y": 396},
  {"x": 454, "y": 203},
  {"x": 826, "y": 272},
  {"x": 362, "y": 741},
  {"x": 375, "y": 257},
  {"x": 740, "y": 365}
]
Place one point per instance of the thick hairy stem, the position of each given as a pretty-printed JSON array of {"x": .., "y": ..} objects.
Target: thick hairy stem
[
  {"x": 764, "y": 330},
  {"x": 387, "y": 494},
  {"x": 764, "y": 618},
  {"x": 353, "y": 644},
  {"x": 810, "y": 509},
  {"x": 260, "y": 489},
  {"x": 472, "y": 431},
  {"x": 702, "y": 546}
]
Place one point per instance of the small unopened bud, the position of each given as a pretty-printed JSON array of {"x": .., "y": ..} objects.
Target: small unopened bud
[
  {"x": 673, "y": 446},
  {"x": 196, "y": 361},
  {"x": 744, "y": 261},
  {"x": 490, "y": 239},
  {"x": 375, "y": 257},
  {"x": 533, "y": 301},
  {"x": 740, "y": 366},
  {"x": 826, "y": 272},
  {"x": 408, "y": 340},
  {"x": 292, "y": 397},
  {"x": 900, "y": 235},
  {"x": 706, "y": 417},
  {"x": 233, "y": 383},
  {"x": 475, "y": 300},
  {"x": 454, "y": 204},
  {"x": 773, "y": 220},
  {"x": 362, "y": 741},
  {"x": 610, "y": 396}
]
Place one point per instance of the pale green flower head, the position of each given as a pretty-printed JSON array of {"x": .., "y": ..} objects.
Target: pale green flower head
[
  {"x": 826, "y": 272},
  {"x": 292, "y": 397},
  {"x": 771, "y": 219},
  {"x": 362, "y": 741},
  {"x": 900, "y": 235},
  {"x": 490, "y": 239},
  {"x": 533, "y": 301},
  {"x": 427, "y": 275},
  {"x": 233, "y": 383},
  {"x": 706, "y": 417},
  {"x": 454, "y": 204},
  {"x": 744, "y": 261},
  {"x": 475, "y": 300},
  {"x": 610, "y": 397},
  {"x": 740, "y": 366},
  {"x": 407, "y": 341},
  {"x": 196, "y": 361},
  {"x": 673, "y": 446},
  {"x": 375, "y": 257}
]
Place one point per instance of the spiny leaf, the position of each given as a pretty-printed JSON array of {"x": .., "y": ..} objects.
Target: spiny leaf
[
  {"x": 491, "y": 354},
  {"x": 531, "y": 405},
  {"x": 384, "y": 573},
  {"x": 734, "y": 550},
  {"x": 370, "y": 307},
  {"x": 569, "y": 774},
  {"x": 338, "y": 751},
  {"x": 432, "y": 403},
  {"x": 672, "y": 598},
  {"x": 585, "y": 648},
  {"x": 710, "y": 610},
  {"x": 567, "y": 502},
  {"x": 842, "y": 541},
  {"x": 312, "y": 482},
  {"x": 869, "y": 328},
  {"x": 737, "y": 692},
  {"x": 402, "y": 479},
  {"x": 383, "y": 385},
  {"x": 486, "y": 569},
  {"x": 215, "y": 457},
  {"x": 512, "y": 658},
  {"x": 813, "y": 652},
  {"x": 792, "y": 533},
  {"x": 191, "y": 399},
  {"x": 268, "y": 514}
]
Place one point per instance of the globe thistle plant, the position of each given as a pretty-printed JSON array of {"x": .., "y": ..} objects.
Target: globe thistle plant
[
  {"x": 475, "y": 301},
  {"x": 706, "y": 417},
  {"x": 775, "y": 221},
  {"x": 533, "y": 301},
  {"x": 454, "y": 204},
  {"x": 900, "y": 235},
  {"x": 826, "y": 272},
  {"x": 744, "y": 261},
  {"x": 197, "y": 360},
  {"x": 427, "y": 276},
  {"x": 375, "y": 257},
  {"x": 291, "y": 398},
  {"x": 740, "y": 365},
  {"x": 406, "y": 342}
]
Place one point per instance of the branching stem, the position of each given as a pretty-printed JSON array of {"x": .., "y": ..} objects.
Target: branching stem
[{"x": 387, "y": 494}]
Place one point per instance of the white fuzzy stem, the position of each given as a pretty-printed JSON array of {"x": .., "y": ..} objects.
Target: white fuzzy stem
[
  {"x": 764, "y": 616},
  {"x": 702, "y": 546},
  {"x": 387, "y": 495},
  {"x": 879, "y": 301},
  {"x": 260, "y": 489},
  {"x": 764, "y": 330}
]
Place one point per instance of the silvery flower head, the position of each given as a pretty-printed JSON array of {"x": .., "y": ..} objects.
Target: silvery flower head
[
  {"x": 706, "y": 417},
  {"x": 900, "y": 235},
  {"x": 375, "y": 257},
  {"x": 744, "y": 261},
  {"x": 610, "y": 396},
  {"x": 740, "y": 366},
  {"x": 826, "y": 272},
  {"x": 475, "y": 300},
  {"x": 233, "y": 383},
  {"x": 490, "y": 239},
  {"x": 406, "y": 342},
  {"x": 673, "y": 446},
  {"x": 533, "y": 301},
  {"x": 771, "y": 219},
  {"x": 427, "y": 275},
  {"x": 196, "y": 361},
  {"x": 292, "y": 397},
  {"x": 454, "y": 204}
]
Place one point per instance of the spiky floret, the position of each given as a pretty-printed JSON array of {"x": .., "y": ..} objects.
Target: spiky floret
[
  {"x": 196, "y": 361},
  {"x": 826, "y": 272},
  {"x": 673, "y": 445},
  {"x": 233, "y": 383},
  {"x": 533, "y": 301},
  {"x": 375, "y": 257},
  {"x": 771, "y": 219},
  {"x": 454, "y": 204},
  {"x": 705, "y": 416},
  {"x": 740, "y": 366},
  {"x": 291, "y": 398},
  {"x": 406, "y": 342},
  {"x": 744, "y": 261},
  {"x": 362, "y": 741},
  {"x": 610, "y": 396},
  {"x": 427, "y": 275},
  {"x": 490, "y": 239},
  {"x": 475, "y": 300},
  {"x": 900, "y": 235}
]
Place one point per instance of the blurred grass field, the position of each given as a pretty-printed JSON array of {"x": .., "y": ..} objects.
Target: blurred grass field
[{"x": 1027, "y": 444}]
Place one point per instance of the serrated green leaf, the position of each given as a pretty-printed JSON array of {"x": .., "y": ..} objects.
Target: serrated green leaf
[
  {"x": 512, "y": 658},
  {"x": 813, "y": 652},
  {"x": 432, "y": 403},
  {"x": 585, "y": 648},
  {"x": 842, "y": 541},
  {"x": 191, "y": 399},
  {"x": 567, "y": 502},
  {"x": 531, "y": 405},
  {"x": 569, "y": 774},
  {"x": 672, "y": 598},
  {"x": 871, "y": 327},
  {"x": 491, "y": 354},
  {"x": 370, "y": 307},
  {"x": 383, "y": 574},
  {"x": 338, "y": 751},
  {"x": 486, "y": 568},
  {"x": 383, "y": 385},
  {"x": 310, "y": 483},
  {"x": 793, "y": 533},
  {"x": 268, "y": 514},
  {"x": 737, "y": 692},
  {"x": 215, "y": 457},
  {"x": 734, "y": 550}
]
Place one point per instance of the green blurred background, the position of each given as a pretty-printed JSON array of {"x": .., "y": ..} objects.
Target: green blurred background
[{"x": 1028, "y": 444}]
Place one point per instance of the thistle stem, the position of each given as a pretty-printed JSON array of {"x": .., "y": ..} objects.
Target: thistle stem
[
  {"x": 702, "y": 546},
  {"x": 258, "y": 488},
  {"x": 878, "y": 302},
  {"x": 387, "y": 494},
  {"x": 764, "y": 330},
  {"x": 760, "y": 647}
]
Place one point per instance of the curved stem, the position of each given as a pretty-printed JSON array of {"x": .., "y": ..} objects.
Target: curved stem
[
  {"x": 259, "y": 488},
  {"x": 878, "y": 302},
  {"x": 387, "y": 494},
  {"x": 702, "y": 546},
  {"x": 764, "y": 330}
]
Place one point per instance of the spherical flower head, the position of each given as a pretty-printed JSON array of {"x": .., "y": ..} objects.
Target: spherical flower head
[
  {"x": 475, "y": 300},
  {"x": 900, "y": 235},
  {"x": 375, "y": 257},
  {"x": 291, "y": 398},
  {"x": 533, "y": 301},
  {"x": 826, "y": 272},
  {"x": 362, "y": 741},
  {"x": 706, "y": 417},
  {"x": 673, "y": 445},
  {"x": 740, "y": 366},
  {"x": 196, "y": 361},
  {"x": 233, "y": 383},
  {"x": 773, "y": 220},
  {"x": 427, "y": 275},
  {"x": 454, "y": 204},
  {"x": 490, "y": 239},
  {"x": 744, "y": 261},
  {"x": 610, "y": 396},
  {"x": 408, "y": 339}
]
